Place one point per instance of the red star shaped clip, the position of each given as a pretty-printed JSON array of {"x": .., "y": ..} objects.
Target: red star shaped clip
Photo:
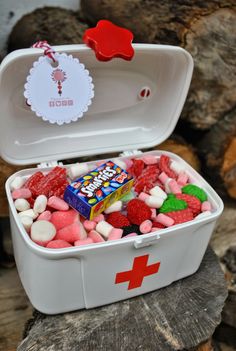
[{"x": 109, "y": 41}]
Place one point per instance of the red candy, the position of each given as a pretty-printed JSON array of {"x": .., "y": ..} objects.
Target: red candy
[
  {"x": 164, "y": 166},
  {"x": 181, "y": 216},
  {"x": 138, "y": 211},
  {"x": 117, "y": 220},
  {"x": 193, "y": 202},
  {"x": 33, "y": 181},
  {"x": 52, "y": 181},
  {"x": 158, "y": 225}
]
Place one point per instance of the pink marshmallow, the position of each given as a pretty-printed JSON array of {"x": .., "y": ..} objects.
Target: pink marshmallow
[
  {"x": 95, "y": 236},
  {"x": 149, "y": 159},
  {"x": 86, "y": 241},
  {"x": 206, "y": 206},
  {"x": 89, "y": 225},
  {"x": 99, "y": 218},
  {"x": 21, "y": 194},
  {"x": 154, "y": 229},
  {"x": 57, "y": 203},
  {"x": 182, "y": 178},
  {"x": 58, "y": 244},
  {"x": 128, "y": 162},
  {"x": 143, "y": 196},
  {"x": 115, "y": 234},
  {"x": 130, "y": 235},
  {"x": 174, "y": 187},
  {"x": 71, "y": 233},
  {"x": 163, "y": 177},
  {"x": 44, "y": 216},
  {"x": 62, "y": 219},
  {"x": 165, "y": 220},
  {"x": 154, "y": 213},
  {"x": 145, "y": 227}
]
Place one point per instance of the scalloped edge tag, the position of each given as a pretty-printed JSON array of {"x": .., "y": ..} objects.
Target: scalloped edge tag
[{"x": 59, "y": 94}]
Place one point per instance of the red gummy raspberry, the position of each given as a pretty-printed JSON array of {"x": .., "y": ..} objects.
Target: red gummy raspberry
[
  {"x": 193, "y": 202},
  {"x": 181, "y": 216},
  {"x": 164, "y": 166},
  {"x": 138, "y": 211},
  {"x": 118, "y": 220},
  {"x": 158, "y": 225}
]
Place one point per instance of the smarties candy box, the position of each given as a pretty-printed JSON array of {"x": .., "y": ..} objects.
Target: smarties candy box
[
  {"x": 91, "y": 194},
  {"x": 120, "y": 119}
]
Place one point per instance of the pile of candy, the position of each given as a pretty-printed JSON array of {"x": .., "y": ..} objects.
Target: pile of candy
[{"x": 162, "y": 196}]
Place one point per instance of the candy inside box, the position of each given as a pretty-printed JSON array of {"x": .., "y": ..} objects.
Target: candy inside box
[{"x": 119, "y": 119}]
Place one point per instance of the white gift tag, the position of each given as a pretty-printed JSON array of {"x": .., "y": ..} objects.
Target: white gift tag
[{"x": 59, "y": 94}]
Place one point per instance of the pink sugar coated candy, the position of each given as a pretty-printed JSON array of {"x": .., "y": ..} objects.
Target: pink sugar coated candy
[
  {"x": 182, "y": 178},
  {"x": 62, "y": 219},
  {"x": 71, "y": 233},
  {"x": 143, "y": 196},
  {"x": 21, "y": 194},
  {"x": 145, "y": 227},
  {"x": 115, "y": 234},
  {"x": 174, "y": 187},
  {"x": 128, "y": 162},
  {"x": 154, "y": 213},
  {"x": 155, "y": 229},
  {"x": 206, "y": 206},
  {"x": 95, "y": 236},
  {"x": 99, "y": 163},
  {"x": 86, "y": 241},
  {"x": 89, "y": 225},
  {"x": 149, "y": 159},
  {"x": 44, "y": 216},
  {"x": 99, "y": 218},
  {"x": 130, "y": 235},
  {"x": 57, "y": 203},
  {"x": 165, "y": 220},
  {"x": 163, "y": 177},
  {"x": 58, "y": 244}
]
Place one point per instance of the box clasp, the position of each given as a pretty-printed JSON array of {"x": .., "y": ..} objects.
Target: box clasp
[
  {"x": 49, "y": 164},
  {"x": 130, "y": 153},
  {"x": 142, "y": 242}
]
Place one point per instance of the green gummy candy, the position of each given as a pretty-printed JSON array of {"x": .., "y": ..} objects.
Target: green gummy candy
[
  {"x": 173, "y": 204},
  {"x": 127, "y": 197},
  {"x": 194, "y": 190}
]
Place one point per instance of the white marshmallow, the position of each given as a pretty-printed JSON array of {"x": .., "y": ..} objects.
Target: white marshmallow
[
  {"x": 203, "y": 215},
  {"x": 29, "y": 213},
  {"x": 40, "y": 204},
  {"x": 77, "y": 170},
  {"x": 21, "y": 205},
  {"x": 177, "y": 167},
  {"x": 17, "y": 183},
  {"x": 104, "y": 228},
  {"x": 27, "y": 222},
  {"x": 117, "y": 206},
  {"x": 120, "y": 163},
  {"x": 154, "y": 201},
  {"x": 157, "y": 191},
  {"x": 42, "y": 231}
]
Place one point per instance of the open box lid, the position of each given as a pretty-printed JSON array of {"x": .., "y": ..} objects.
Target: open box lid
[{"x": 118, "y": 119}]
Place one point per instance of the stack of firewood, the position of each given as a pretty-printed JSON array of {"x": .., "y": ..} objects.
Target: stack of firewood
[{"x": 207, "y": 128}]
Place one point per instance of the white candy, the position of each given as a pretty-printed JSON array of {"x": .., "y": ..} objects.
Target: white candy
[
  {"x": 21, "y": 205},
  {"x": 27, "y": 222},
  {"x": 114, "y": 207},
  {"x": 167, "y": 188},
  {"x": 154, "y": 201},
  {"x": 120, "y": 163},
  {"x": 203, "y": 215},
  {"x": 104, "y": 228},
  {"x": 42, "y": 231},
  {"x": 177, "y": 167},
  {"x": 17, "y": 183},
  {"x": 157, "y": 191},
  {"x": 40, "y": 204},
  {"x": 77, "y": 170},
  {"x": 29, "y": 213}
]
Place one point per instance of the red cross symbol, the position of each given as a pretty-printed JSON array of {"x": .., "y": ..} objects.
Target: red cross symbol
[{"x": 139, "y": 270}]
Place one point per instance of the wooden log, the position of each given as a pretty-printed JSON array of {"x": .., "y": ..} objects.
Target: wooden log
[
  {"x": 56, "y": 25},
  {"x": 218, "y": 149},
  {"x": 180, "y": 316},
  {"x": 204, "y": 28}
]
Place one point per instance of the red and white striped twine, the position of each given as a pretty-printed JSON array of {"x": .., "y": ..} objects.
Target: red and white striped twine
[{"x": 48, "y": 50}]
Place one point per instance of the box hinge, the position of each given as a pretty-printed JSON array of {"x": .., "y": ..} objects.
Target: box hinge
[
  {"x": 130, "y": 153},
  {"x": 49, "y": 164}
]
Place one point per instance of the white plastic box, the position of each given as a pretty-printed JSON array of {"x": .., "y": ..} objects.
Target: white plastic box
[{"x": 83, "y": 277}]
